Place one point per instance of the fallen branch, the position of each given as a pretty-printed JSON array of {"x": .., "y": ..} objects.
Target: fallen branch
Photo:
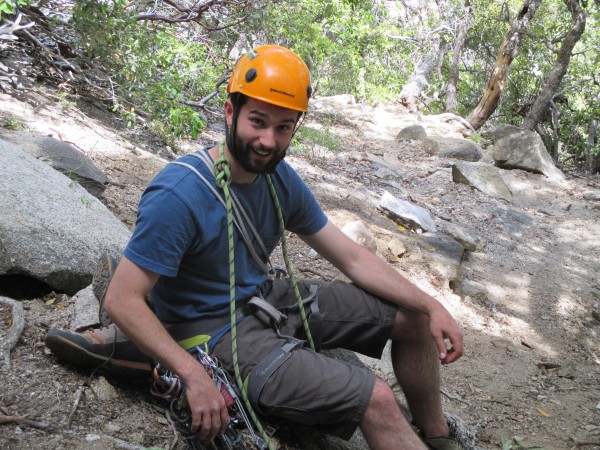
[
  {"x": 6, "y": 31},
  {"x": 23, "y": 420},
  {"x": 50, "y": 56},
  {"x": 13, "y": 335},
  {"x": 452, "y": 397},
  {"x": 78, "y": 395},
  {"x": 447, "y": 117},
  {"x": 117, "y": 443},
  {"x": 585, "y": 443}
]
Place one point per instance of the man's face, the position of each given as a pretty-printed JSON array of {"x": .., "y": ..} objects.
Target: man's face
[{"x": 263, "y": 134}]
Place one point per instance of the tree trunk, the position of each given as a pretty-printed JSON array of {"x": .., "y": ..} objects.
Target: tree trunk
[
  {"x": 465, "y": 24},
  {"x": 556, "y": 113},
  {"x": 418, "y": 80},
  {"x": 560, "y": 66},
  {"x": 592, "y": 162},
  {"x": 508, "y": 51}
]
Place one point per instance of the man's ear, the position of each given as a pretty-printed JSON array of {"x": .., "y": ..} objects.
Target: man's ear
[{"x": 228, "y": 107}]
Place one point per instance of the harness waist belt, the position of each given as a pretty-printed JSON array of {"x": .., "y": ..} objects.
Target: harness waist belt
[{"x": 199, "y": 331}]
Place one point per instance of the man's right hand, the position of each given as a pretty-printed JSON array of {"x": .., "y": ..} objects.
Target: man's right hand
[
  {"x": 125, "y": 303},
  {"x": 209, "y": 411}
]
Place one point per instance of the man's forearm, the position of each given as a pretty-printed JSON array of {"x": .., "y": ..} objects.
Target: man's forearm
[{"x": 142, "y": 327}]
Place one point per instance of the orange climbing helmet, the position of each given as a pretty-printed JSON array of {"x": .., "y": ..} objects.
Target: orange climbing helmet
[{"x": 273, "y": 75}]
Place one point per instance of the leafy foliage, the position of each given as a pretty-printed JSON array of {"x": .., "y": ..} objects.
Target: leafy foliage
[
  {"x": 11, "y": 6},
  {"x": 345, "y": 42},
  {"x": 157, "y": 67},
  {"x": 365, "y": 48}
]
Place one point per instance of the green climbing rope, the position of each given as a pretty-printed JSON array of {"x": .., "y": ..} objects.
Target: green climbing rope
[
  {"x": 222, "y": 169},
  {"x": 223, "y": 180},
  {"x": 288, "y": 264}
]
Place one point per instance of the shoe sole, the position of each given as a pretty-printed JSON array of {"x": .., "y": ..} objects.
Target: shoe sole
[
  {"x": 102, "y": 275},
  {"x": 79, "y": 356}
]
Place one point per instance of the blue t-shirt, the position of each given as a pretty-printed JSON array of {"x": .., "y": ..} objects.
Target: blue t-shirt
[{"x": 181, "y": 234}]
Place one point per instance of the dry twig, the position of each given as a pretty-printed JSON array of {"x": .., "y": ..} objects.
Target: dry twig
[
  {"x": 23, "y": 420},
  {"x": 175, "y": 435},
  {"x": 78, "y": 394},
  {"x": 585, "y": 443},
  {"x": 166, "y": 413},
  {"x": 452, "y": 397}
]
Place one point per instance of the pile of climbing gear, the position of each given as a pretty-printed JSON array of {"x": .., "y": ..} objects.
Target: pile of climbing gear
[{"x": 169, "y": 387}]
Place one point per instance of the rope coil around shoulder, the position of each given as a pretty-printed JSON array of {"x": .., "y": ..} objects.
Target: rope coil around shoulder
[
  {"x": 238, "y": 222},
  {"x": 223, "y": 179}
]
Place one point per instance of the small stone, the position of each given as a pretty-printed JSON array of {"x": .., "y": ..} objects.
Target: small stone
[
  {"x": 112, "y": 428},
  {"x": 104, "y": 390}
]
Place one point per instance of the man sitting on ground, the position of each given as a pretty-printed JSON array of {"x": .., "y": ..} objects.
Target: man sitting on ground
[{"x": 179, "y": 257}]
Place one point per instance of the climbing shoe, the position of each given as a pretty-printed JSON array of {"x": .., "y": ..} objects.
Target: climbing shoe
[
  {"x": 103, "y": 272},
  {"x": 443, "y": 443},
  {"x": 107, "y": 349}
]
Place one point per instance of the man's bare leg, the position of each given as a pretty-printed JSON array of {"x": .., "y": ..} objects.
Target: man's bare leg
[
  {"x": 417, "y": 369},
  {"x": 383, "y": 424}
]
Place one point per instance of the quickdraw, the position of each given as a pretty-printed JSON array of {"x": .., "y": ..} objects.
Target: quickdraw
[{"x": 169, "y": 387}]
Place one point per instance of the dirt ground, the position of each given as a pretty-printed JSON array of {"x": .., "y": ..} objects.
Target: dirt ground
[{"x": 530, "y": 375}]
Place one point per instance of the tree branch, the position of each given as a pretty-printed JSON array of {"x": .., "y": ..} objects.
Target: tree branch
[{"x": 7, "y": 30}]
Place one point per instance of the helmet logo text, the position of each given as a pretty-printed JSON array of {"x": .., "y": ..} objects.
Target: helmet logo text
[{"x": 282, "y": 92}]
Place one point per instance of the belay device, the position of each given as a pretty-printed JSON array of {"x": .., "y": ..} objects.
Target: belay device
[{"x": 168, "y": 386}]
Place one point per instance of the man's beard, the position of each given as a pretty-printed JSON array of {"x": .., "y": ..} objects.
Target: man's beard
[{"x": 243, "y": 155}]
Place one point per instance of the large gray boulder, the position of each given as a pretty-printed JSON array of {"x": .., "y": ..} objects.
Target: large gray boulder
[
  {"x": 456, "y": 148},
  {"x": 51, "y": 230},
  {"x": 516, "y": 148},
  {"x": 483, "y": 177},
  {"x": 62, "y": 157},
  {"x": 406, "y": 214},
  {"x": 414, "y": 132}
]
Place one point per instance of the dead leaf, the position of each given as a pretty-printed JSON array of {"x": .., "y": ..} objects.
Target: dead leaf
[{"x": 542, "y": 412}]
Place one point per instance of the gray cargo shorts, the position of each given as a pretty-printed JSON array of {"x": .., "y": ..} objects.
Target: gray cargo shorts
[{"x": 310, "y": 388}]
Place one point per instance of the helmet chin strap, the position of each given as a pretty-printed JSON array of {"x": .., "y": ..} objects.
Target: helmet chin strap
[{"x": 230, "y": 133}]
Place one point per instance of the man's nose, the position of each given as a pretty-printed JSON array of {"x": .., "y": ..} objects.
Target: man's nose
[{"x": 267, "y": 138}]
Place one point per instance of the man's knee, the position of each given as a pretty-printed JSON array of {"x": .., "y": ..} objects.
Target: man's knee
[
  {"x": 382, "y": 398},
  {"x": 409, "y": 325},
  {"x": 384, "y": 410}
]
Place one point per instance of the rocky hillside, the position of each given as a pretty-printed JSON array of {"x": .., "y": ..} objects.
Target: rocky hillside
[{"x": 519, "y": 272}]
